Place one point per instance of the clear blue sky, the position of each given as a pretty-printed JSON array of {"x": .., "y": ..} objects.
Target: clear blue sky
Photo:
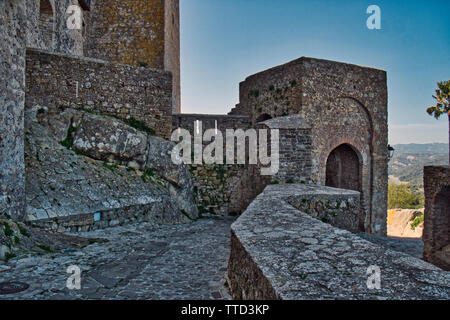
[{"x": 224, "y": 41}]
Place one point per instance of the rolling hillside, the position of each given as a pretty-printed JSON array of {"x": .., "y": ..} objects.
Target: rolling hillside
[{"x": 409, "y": 160}]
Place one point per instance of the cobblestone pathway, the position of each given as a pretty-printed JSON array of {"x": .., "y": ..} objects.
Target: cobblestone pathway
[{"x": 143, "y": 261}]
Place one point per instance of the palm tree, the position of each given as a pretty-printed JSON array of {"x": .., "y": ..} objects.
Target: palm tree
[{"x": 442, "y": 106}]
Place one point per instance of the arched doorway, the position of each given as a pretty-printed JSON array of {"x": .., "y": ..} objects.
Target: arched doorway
[
  {"x": 46, "y": 22},
  {"x": 441, "y": 219},
  {"x": 343, "y": 169}
]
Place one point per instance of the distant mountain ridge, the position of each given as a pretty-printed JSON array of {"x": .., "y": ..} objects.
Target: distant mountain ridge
[{"x": 427, "y": 148}]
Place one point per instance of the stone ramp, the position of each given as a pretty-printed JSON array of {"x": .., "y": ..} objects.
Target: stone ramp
[{"x": 279, "y": 252}]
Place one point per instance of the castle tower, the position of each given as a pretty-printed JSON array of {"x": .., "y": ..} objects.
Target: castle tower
[{"x": 138, "y": 33}]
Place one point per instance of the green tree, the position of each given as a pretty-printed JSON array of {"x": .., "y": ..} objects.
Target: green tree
[
  {"x": 400, "y": 196},
  {"x": 442, "y": 105}
]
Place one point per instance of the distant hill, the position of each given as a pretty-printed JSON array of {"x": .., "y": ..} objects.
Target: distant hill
[
  {"x": 409, "y": 160},
  {"x": 429, "y": 148}
]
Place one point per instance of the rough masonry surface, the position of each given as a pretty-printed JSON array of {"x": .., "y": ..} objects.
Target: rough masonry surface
[{"x": 279, "y": 252}]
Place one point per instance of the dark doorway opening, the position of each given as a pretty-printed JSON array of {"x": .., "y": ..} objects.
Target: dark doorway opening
[
  {"x": 46, "y": 23},
  {"x": 343, "y": 169},
  {"x": 263, "y": 117}
]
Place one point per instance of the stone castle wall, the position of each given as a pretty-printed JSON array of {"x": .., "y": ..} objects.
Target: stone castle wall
[
  {"x": 172, "y": 49},
  {"x": 346, "y": 100},
  {"x": 107, "y": 88},
  {"x": 12, "y": 99},
  {"x": 47, "y": 27},
  {"x": 436, "y": 232},
  {"x": 222, "y": 189},
  {"x": 138, "y": 33},
  {"x": 295, "y": 154},
  {"x": 127, "y": 31}
]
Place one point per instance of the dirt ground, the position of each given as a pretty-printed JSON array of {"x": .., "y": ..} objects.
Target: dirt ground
[{"x": 399, "y": 223}]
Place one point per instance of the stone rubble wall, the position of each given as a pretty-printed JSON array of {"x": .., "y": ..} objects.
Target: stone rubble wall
[
  {"x": 49, "y": 31},
  {"x": 222, "y": 189},
  {"x": 340, "y": 208},
  {"x": 295, "y": 149},
  {"x": 342, "y": 104},
  {"x": 137, "y": 33},
  {"x": 436, "y": 232},
  {"x": 12, "y": 99},
  {"x": 127, "y": 31},
  {"x": 279, "y": 252},
  {"x": 144, "y": 94}
]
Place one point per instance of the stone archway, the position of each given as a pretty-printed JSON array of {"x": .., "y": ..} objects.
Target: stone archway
[
  {"x": 343, "y": 169},
  {"x": 441, "y": 219},
  {"x": 46, "y": 22},
  {"x": 45, "y": 7}
]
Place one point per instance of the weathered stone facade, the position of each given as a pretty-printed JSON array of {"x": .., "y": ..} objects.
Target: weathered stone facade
[
  {"x": 12, "y": 99},
  {"x": 436, "y": 233},
  {"x": 343, "y": 104},
  {"x": 138, "y": 33},
  {"x": 88, "y": 158},
  {"x": 47, "y": 27},
  {"x": 295, "y": 153},
  {"x": 322, "y": 96},
  {"x": 222, "y": 188},
  {"x": 60, "y": 77},
  {"x": 341, "y": 208},
  {"x": 128, "y": 92},
  {"x": 279, "y": 252},
  {"x": 172, "y": 49}
]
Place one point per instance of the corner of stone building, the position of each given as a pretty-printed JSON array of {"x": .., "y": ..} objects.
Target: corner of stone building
[{"x": 13, "y": 22}]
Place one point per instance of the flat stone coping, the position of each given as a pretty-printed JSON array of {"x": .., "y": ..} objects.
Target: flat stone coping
[
  {"x": 278, "y": 252},
  {"x": 92, "y": 60},
  {"x": 201, "y": 116}
]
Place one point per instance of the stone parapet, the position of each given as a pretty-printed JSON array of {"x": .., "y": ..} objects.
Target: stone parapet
[{"x": 279, "y": 252}]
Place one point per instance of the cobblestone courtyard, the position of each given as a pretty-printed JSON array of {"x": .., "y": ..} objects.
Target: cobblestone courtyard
[{"x": 143, "y": 261}]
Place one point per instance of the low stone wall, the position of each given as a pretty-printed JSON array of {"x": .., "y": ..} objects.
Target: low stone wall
[
  {"x": 144, "y": 94},
  {"x": 226, "y": 189},
  {"x": 436, "y": 233},
  {"x": 341, "y": 208},
  {"x": 151, "y": 212},
  {"x": 279, "y": 252}
]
